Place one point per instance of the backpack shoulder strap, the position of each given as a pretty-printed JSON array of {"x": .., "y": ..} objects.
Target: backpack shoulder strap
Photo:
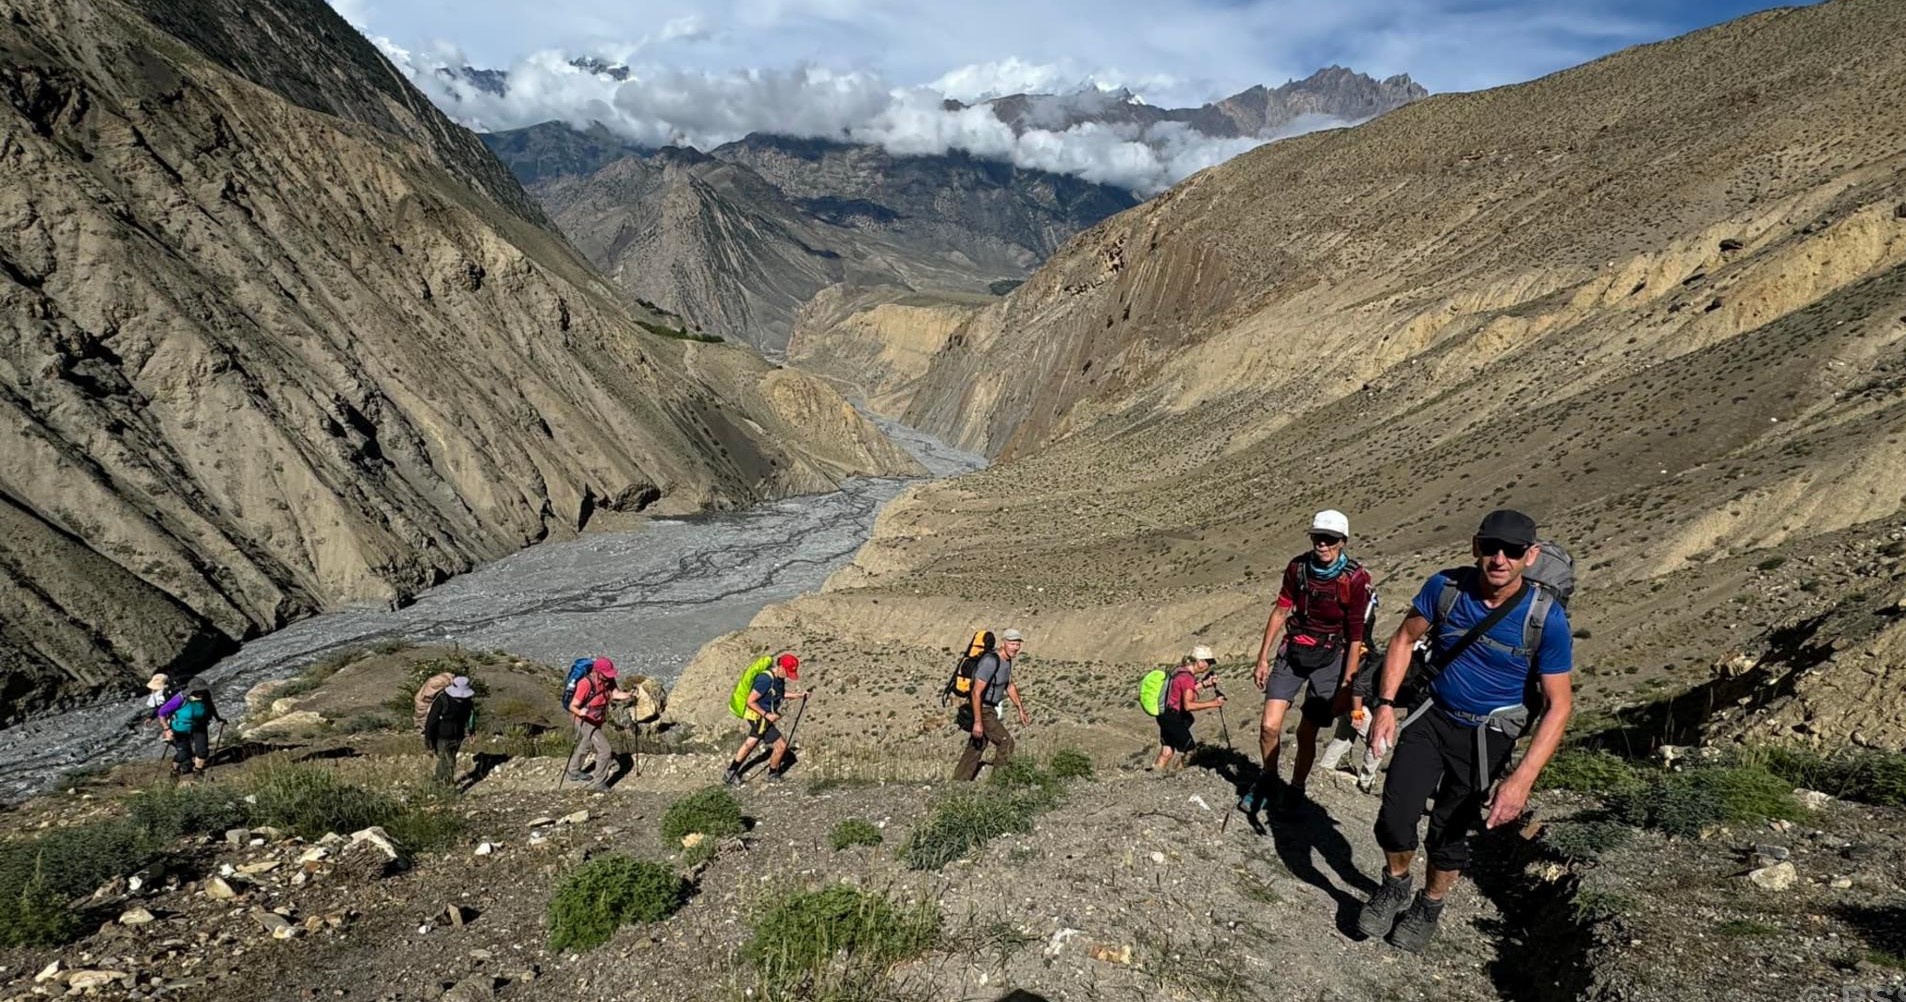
[
  {"x": 1533, "y": 623},
  {"x": 1452, "y": 589}
]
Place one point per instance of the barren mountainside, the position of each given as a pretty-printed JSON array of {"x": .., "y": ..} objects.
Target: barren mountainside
[
  {"x": 736, "y": 240},
  {"x": 1658, "y": 300},
  {"x": 278, "y": 337}
]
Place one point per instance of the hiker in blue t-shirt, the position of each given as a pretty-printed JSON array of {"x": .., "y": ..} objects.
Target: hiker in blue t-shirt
[
  {"x": 1457, "y": 744},
  {"x": 765, "y": 697}
]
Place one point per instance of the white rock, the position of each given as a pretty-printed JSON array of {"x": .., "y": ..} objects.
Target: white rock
[
  {"x": 1813, "y": 800},
  {"x": 219, "y": 889},
  {"x": 1158, "y": 857},
  {"x": 380, "y": 839},
  {"x": 262, "y": 866},
  {"x": 1778, "y": 877},
  {"x": 485, "y": 848},
  {"x": 543, "y": 821},
  {"x": 136, "y": 916},
  {"x": 47, "y": 973},
  {"x": 82, "y": 980},
  {"x": 315, "y": 854},
  {"x": 577, "y": 818}
]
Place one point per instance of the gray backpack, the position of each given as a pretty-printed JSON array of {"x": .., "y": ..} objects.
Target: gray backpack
[{"x": 1554, "y": 577}]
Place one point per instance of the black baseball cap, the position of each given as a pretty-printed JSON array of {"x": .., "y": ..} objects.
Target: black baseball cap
[{"x": 1508, "y": 526}]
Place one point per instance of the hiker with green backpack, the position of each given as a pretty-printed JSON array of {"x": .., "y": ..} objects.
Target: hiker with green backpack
[
  {"x": 1171, "y": 696},
  {"x": 1501, "y": 660},
  {"x": 758, "y": 697}
]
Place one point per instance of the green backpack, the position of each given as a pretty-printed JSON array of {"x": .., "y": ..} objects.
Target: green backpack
[
  {"x": 738, "y": 701},
  {"x": 1151, "y": 690}
]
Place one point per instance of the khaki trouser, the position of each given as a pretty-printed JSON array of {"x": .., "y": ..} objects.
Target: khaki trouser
[
  {"x": 996, "y": 735},
  {"x": 446, "y": 749},
  {"x": 589, "y": 737}
]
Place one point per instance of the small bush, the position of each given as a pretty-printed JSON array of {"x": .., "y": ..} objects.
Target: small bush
[
  {"x": 310, "y": 801},
  {"x": 853, "y": 831},
  {"x": 838, "y": 942},
  {"x": 1022, "y": 773},
  {"x": 1071, "y": 763},
  {"x": 1589, "y": 771},
  {"x": 1684, "y": 803},
  {"x": 1771, "y": 564},
  {"x": 167, "y": 813},
  {"x": 1871, "y": 777},
  {"x": 714, "y": 812},
  {"x": 1584, "y": 840},
  {"x": 40, "y": 875},
  {"x": 969, "y": 818},
  {"x": 608, "y": 892}
]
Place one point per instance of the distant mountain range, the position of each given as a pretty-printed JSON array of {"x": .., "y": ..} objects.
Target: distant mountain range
[{"x": 737, "y": 238}]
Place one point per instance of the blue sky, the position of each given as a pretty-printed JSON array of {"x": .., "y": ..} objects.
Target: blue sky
[
  {"x": 706, "y": 72},
  {"x": 1187, "y": 51}
]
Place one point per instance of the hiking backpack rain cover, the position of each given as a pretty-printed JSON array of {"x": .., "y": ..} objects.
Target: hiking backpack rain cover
[
  {"x": 1151, "y": 690},
  {"x": 738, "y": 700}
]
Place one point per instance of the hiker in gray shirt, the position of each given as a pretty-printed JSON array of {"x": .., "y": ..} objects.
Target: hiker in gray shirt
[{"x": 992, "y": 682}]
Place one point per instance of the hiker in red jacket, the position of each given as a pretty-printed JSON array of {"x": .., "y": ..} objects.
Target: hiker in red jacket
[
  {"x": 1323, "y": 600},
  {"x": 588, "y": 708}
]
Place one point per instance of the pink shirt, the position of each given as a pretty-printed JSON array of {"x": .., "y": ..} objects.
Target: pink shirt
[{"x": 1178, "y": 691}]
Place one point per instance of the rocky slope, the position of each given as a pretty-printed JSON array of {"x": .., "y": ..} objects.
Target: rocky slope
[
  {"x": 1658, "y": 300},
  {"x": 875, "y": 343},
  {"x": 737, "y": 240},
  {"x": 280, "y": 337}
]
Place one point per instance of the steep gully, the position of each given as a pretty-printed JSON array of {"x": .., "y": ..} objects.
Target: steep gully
[{"x": 649, "y": 598}]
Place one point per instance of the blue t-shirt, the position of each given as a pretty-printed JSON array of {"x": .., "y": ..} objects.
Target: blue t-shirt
[
  {"x": 771, "y": 690},
  {"x": 1491, "y": 674}
]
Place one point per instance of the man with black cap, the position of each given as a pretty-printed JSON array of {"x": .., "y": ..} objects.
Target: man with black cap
[
  {"x": 992, "y": 683},
  {"x": 1459, "y": 741}
]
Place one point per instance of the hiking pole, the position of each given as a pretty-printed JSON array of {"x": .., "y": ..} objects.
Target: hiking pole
[
  {"x": 1226, "y": 725},
  {"x": 562, "y": 774},
  {"x": 797, "y": 720}
]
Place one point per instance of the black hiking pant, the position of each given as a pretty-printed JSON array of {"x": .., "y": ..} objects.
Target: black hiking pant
[
  {"x": 187, "y": 747},
  {"x": 446, "y": 749},
  {"x": 1436, "y": 758}
]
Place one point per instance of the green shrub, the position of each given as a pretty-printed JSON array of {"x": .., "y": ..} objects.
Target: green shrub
[
  {"x": 1590, "y": 771},
  {"x": 969, "y": 818},
  {"x": 1071, "y": 763},
  {"x": 1684, "y": 803},
  {"x": 1022, "y": 773},
  {"x": 608, "y": 892},
  {"x": 170, "y": 812},
  {"x": 837, "y": 942},
  {"x": 713, "y": 811},
  {"x": 310, "y": 801},
  {"x": 1872, "y": 777},
  {"x": 1585, "y": 840},
  {"x": 853, "y": 831},
  {"x": 1771, "y": 564},
  {"x": 40, "y": 875}
]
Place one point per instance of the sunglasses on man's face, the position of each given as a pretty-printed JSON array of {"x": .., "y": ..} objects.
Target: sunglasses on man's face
[
  {"x": 1319, "y": 539},
  {"x": 1491, "y": 547}
]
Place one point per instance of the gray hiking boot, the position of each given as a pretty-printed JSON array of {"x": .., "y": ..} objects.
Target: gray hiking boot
[
  {"x": 1379, "y": 913},
  {"x": 1417, "y": 927}
]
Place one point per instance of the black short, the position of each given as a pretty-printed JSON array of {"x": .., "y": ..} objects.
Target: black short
[
  {"x": 1174, "y": 730},
  {"x": 763, "y": 730}
]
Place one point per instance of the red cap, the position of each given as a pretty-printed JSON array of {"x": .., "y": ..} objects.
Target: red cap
[
  {"x": 605, "y": 667},
  {"x": 790, "y": 664}
]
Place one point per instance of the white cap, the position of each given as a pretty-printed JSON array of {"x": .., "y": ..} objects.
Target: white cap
[
  {"x": 1202, "y": 653},
  {"x": 1332, "y": 521},
  {"x": 1012, "y": 635}
]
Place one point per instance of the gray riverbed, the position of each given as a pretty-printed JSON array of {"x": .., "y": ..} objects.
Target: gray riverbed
[{"x": 649, "y": 598}]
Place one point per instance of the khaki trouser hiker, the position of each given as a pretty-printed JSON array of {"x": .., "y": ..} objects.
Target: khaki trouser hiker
[{"x": 996, "y": 735}]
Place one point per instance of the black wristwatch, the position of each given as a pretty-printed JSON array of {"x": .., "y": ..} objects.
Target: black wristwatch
[{"x": 1383, "y": 701}]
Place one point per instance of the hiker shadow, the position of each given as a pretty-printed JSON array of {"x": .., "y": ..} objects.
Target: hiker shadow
[
  {"x": 486, "y": 763},
  {"x": 1312, "y": 835},
  {"x": 788, "y": 761},
  {"x": 1231, "y": 765}
]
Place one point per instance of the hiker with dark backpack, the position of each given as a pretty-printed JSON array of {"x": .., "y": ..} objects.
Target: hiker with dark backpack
[
  {"x": 1323, "y": 600},
  {"x": 451, "y": 718},
  {"x": 589, "y": 708},
  {"x": 1175, "y": 703},
  {"x": 767, "y": 692},
  {"x": 992, "y": 683},
  {"x": 190, "y": 727},
  {"x": 1502, "y": 657}
]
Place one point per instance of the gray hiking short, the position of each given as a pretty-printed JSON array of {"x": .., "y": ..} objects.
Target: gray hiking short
[{"x": 1288, "y": 680}]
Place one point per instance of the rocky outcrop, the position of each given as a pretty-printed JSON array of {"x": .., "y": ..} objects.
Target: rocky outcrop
[
  {"x": 876, "y": 343},
  {"x": 275, "y": 336}
]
